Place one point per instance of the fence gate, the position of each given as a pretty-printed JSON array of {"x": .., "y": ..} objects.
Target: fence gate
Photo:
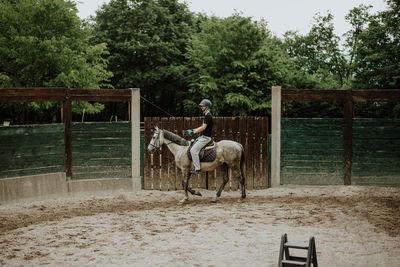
[{"x": 161, "y": 173}]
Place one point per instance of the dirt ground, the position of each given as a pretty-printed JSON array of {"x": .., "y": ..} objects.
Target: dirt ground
[{"x": 353, "y": 226}]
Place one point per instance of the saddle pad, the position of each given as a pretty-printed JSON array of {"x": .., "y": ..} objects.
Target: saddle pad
[{"x": 209, "y": 155}]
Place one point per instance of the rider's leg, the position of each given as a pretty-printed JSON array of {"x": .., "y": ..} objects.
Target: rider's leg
[{"x": 194, "y": 151}]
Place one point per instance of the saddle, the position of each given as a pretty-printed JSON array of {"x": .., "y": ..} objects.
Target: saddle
[{"x": 206, "y": 154}]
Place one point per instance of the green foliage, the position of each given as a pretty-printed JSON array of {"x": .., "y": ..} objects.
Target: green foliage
[
  {"x": 147, "y": 41},
  {"x": 358, "y": 18},
  {"x": 177, "y": 57},
  {"x": 378, "y": 52},
  {"x": 234, "y": 62},
  {"x": 44, "y": 44},
  {"x": 317, "y": 55},
  {"x": 377, "y": 57}
]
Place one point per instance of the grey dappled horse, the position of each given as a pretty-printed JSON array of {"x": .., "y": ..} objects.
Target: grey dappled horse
[{"x": 229, "y": 155}]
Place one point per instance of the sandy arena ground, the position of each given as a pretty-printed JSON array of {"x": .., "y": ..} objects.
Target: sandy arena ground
[{"x": 353, "y": 226}]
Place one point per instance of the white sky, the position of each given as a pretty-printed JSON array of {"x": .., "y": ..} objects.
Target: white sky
[{"x": 281, "y": 15}]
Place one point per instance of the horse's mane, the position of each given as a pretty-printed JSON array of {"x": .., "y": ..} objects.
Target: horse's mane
[{"x": 175, "y": 138}]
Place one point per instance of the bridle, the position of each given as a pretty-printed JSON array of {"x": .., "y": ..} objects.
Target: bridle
[{"x": 157, "y": 142}]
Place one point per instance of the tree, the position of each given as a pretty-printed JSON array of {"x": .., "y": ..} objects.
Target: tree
[
  {"x": 378, "y": 52},
  {"x": 234, "y": 62},
  {"x": 377, "y": 57},
  {"x": 318, "y": 55},
  {"x": 358, "y": 18},
  {"x": 147, "y": 41},
  {"x": 44, "y": 44}
]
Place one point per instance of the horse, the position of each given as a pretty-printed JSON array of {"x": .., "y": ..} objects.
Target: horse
[{"x": 229, "y": 155}]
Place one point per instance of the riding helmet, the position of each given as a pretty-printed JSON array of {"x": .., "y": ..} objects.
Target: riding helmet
[{"x": 205, "y": 102}]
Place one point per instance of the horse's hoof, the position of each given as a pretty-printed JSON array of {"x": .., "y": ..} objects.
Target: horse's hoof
[
  {"x": 198, "y": 194},
  {"x": 240, "y": 200},
  {"x": 214, "y": 200},
  {"x": 183, "y": 201}
]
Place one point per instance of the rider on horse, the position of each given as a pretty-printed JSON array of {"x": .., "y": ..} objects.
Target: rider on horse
[{"x": 205, "y": 131}]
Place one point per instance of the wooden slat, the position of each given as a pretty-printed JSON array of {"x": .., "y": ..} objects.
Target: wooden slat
[
  {"x": 179, "y": 131},
  {"x": 20, "y": 99},
  {"x": 313, "y": 95},
  {"x": 32, "y": 91},
  {"x": 220, "y": 135},
  {"x": 101, "y": 95},
  {"x": 32, "y": 94},
  {"x": 243, "y": 140},
  {"x": 233, "y": 129},
  {"x": 147, "y": 156},
  {"x": 228, "y": 136},
  {"x": 376, "y": 95},
  {"x": 235, "y": 137},
  {"x": 341, "y": 95},
  {"x": 101, "y": 92},
  {"x": 264, "y": 148},
  {"x": 165, "y": 153},
  {"x": 67, "y": 116},
  {"x": 257, "y": 153},
  {"x": 100, "y": 98},
  {"x": 156, "y": 159},
  {"x": 59, "y": 94},
  {"x": 187, "y": 124},
  {"x": 348, "y": 138},
  {"x": 171, "y": 159},
  {"x": 250, "y": 156}
]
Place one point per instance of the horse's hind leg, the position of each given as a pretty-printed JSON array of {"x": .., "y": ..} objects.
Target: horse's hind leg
[
  {"x": 242, "y": 186},
  {"x": 238, "y": 175},
  {"x": 225, "y": 177}
]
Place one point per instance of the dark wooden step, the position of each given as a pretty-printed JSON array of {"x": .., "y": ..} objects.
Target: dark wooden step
[
  {"x": 293, "y": 263},
  {"x": 296, "y": 245}
]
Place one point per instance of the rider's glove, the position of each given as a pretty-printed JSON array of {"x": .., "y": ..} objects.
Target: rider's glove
[{"x": 190, "y": 132}]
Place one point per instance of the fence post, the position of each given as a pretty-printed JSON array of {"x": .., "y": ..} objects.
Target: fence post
[
  {"x": 276, "y": 137},
  {"x": 67, "y": 119},
  {"x": 348, "y": 136},
  {"x": 135, "y": 138}
]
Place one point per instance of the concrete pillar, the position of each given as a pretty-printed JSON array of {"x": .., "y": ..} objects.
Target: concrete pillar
[
  {"x": 135, "y": 124},
  {"x": 276, "y": 137}
]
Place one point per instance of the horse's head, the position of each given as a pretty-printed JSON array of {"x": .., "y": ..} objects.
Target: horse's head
[{"x": 156, "y": 140}]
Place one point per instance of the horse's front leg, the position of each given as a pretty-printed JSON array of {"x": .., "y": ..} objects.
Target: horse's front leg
[
  {"x": 185, "y": 185},
  {"x": 192, "y": 191}
]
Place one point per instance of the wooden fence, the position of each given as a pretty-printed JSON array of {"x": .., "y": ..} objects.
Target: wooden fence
[
  {"x": 65, "y": 96},
  {"x": 161, "y": 173},
  {"x": 31, "y": 149},
  {"x": 376, "y": 152},
  {"x": 332, "y": 151},
  {"x": 312, "y": 151},
  {"x": 99, "y": 150}
]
